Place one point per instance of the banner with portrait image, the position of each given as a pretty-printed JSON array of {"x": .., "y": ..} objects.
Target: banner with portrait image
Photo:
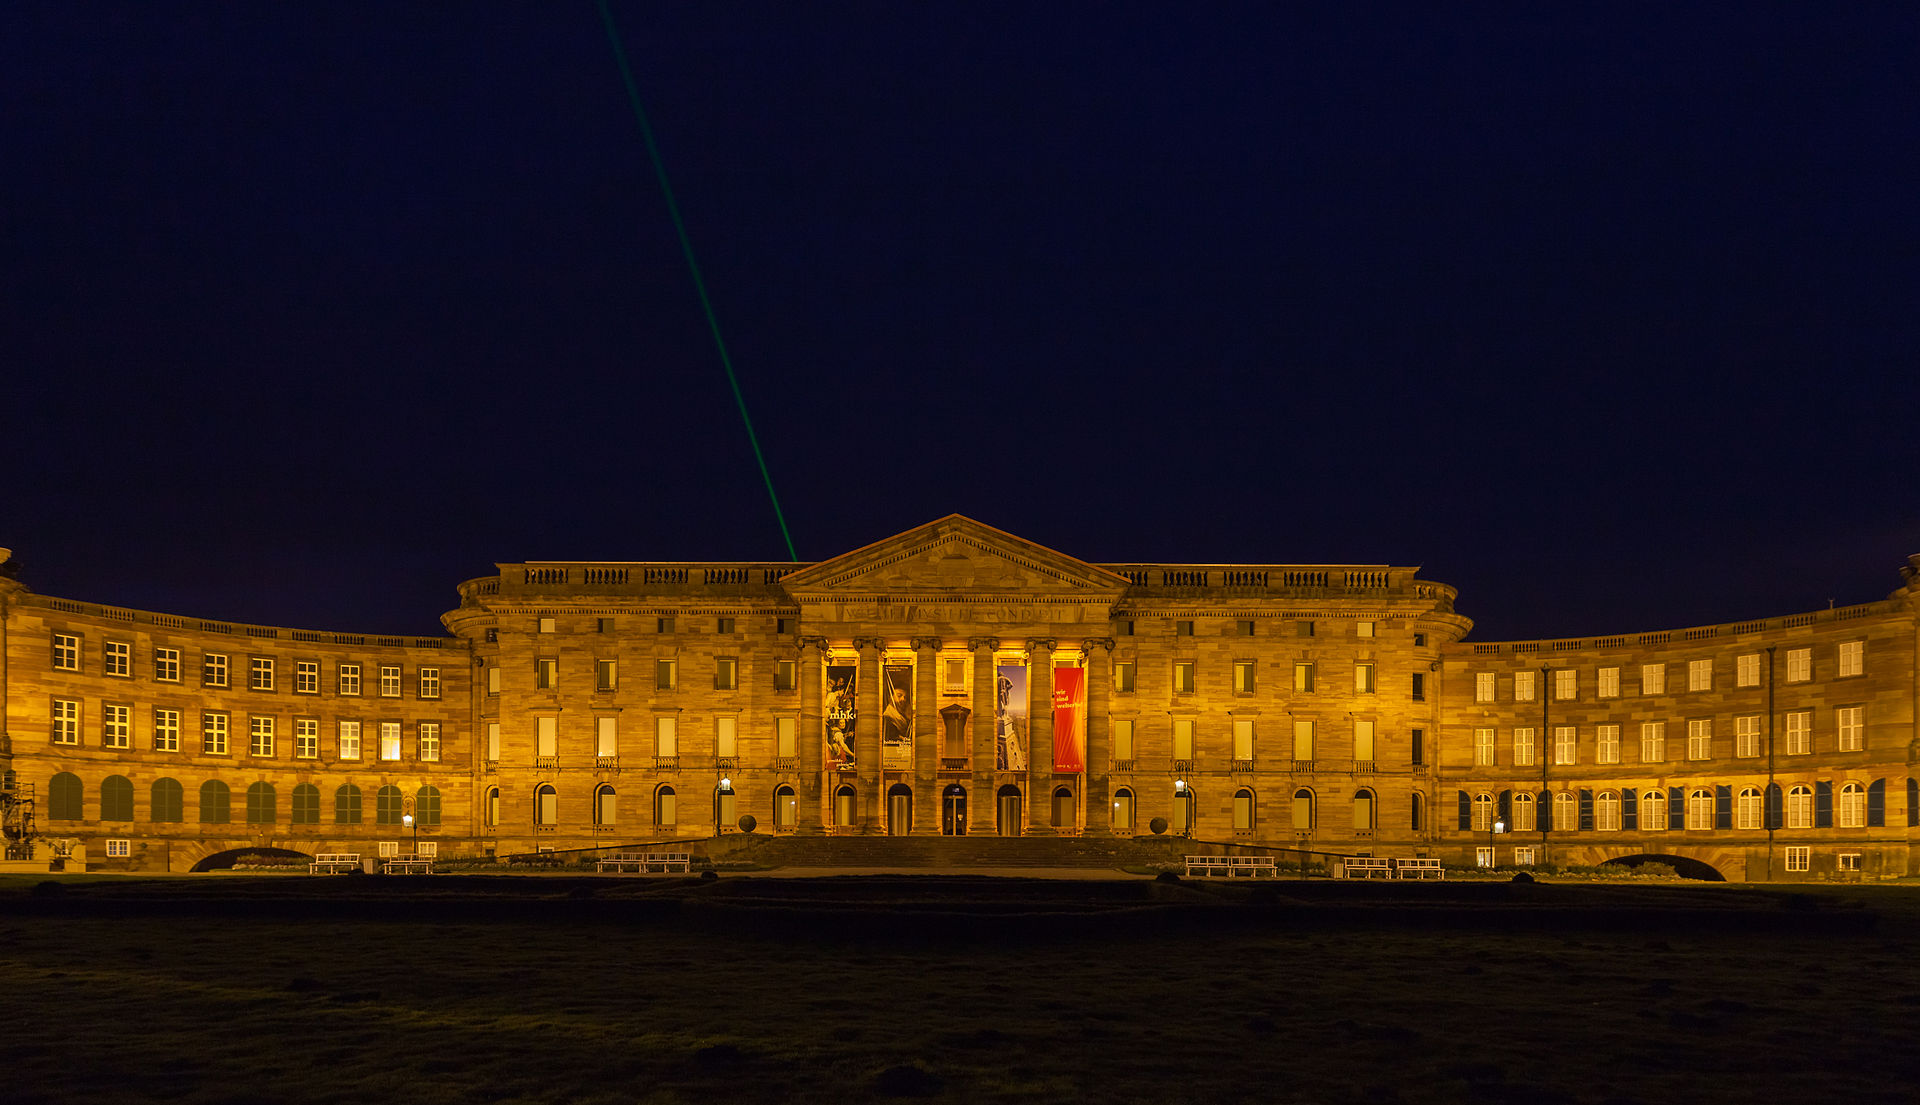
[
  {"x": 841, "y": 711},
  {"x": 1069, "y": 719},
  {"x": 896, "y": 717},
  {"x": 1010, "y": 718}
]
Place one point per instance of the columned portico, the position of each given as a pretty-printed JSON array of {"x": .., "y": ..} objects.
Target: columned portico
[
  {"x": 926, "y": 736},
  {"x": 866, "y": 735},
  {"x": 980, "y": 808},
  {"x": 811, "y": 808},
  {"x": 1040, "y": 735}
]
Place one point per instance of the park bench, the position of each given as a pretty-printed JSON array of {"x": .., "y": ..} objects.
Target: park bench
[
  {"x": 1209, "y": 865},
  {"x": 1418, "y": 869},
  {"x": 620, "y": 861},
  {"x": 667, "y": 862},
  {"x": 334, "y": 863},
  {"x": 1254, "y": 866},
  {"x": 408, "y": 865},
  {"x": 1367, "y": 867}
]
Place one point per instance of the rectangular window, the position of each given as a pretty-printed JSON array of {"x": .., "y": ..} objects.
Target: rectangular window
[
  {"x": 261, "y": 677},
  {"x": 1565, "y": 744},
  {"x": 1799, "y": 732},
  {"x": 1419, "y": 640},
  {"x": 1699, "y": 675},
  {"x": 1183, "y": 629},
  {"x": 1243, "y": 677},
  {"x": 116, "y": 726},
  {"x": 1653, "y": 742},
  {"x": 306, "y": 677},
  {"x": 1483, "y": 686},
  {"x": 119, "y": 849},
  {"x": 1746, "y": 735},
  {"x": 389, "y": 740},
  {"x": 1746, "y": 670},
  {"x": 726, "y": 744},
  {"x": 1566, "y": 682},
  {"x": 784, "y": 626},
  {"x": 306, "y": 738},
  {"x": 1523, "y": 746},
  {"x": 261, "y": 737},
  {"x": 389, "y": 681},
  {"x": 1304, "y": 629},
  {"x": 603, "y": 625},
  {"x": 1363, "y": 679},
  {"x": 1849, "y": 729},
  {"x": 493, "y": 679},
  {"x": 65, "y": 713},
  {"x": 1242, "y": 739},
  {"x": 349, "y": 740},
  {"x": 1799, "y": 857},
  {"x": 666, "y": 739},
  {"x": 349, "y": 679},
  {"x": 66, "y": 652},
  {"x": 1245, "y": 626},
  {"x": 1419, "y": 690},
  {"x": 1606, "y": 744},
  {"x": 1183, "y": 677},
  {"x": 1303, "y": 677},
  {"x": 1123, "y": 740},
  {"x": 1523, "y": 686},
  {"x": 118, "y": 659},
  {"x": 213, "y": 669},
  {"x": 1363, "y": 629},
  {"x": 724, "y": 625},
  {"x": 1483, "y": 748},
  {"x": 1852, "y": 658},
  {"x": 784, "y": 730},
  {"x": 1363, "y": 741},
  {"x": 429, "y": 683},
  {"x": 786, "y": 675},
  {"x": 1799, "y": 665},
  {"x": 606, "y": 675},
  {"x": 213, "y": 733},
  {"x": 1653, "y": 679},
  {"x": 1523, "y": 855},
  {"x": 663, "y": 625},
  {"x": 546, "y": 625},
  {"x": 546, "y": 736},
  {"x": 1609, "y": 683},
  {"x": 664, "y": 672},
  {"x": 1699, "y": 738},
  {"x": 166, "y": 665},
  {"x": 1483, "y": 857},
  {"x": 1123, "y": 628},
  {"x": 1303, "y": 740},
  {"x": 726, "y": 673},
  {"x": 493, "y": 742},
  {"x": 1848, "y": 861},
  {"x": 607, "y": 737},
  {"x": 546, "y": 673},
  {"x": 1417, "y": 750},
  {"x": 1183, "y": 738},
  {"x": 166, "y": 730},
  {"x": 429, "y": 742},
  {"x": 1123, "y": 677}
]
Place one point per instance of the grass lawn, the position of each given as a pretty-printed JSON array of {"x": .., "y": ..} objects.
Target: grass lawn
[{"x": 413, "y": 991}]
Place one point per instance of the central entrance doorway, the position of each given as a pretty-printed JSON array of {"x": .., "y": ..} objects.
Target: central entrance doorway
[
  {"x": 1009, "y": 803},
  {"x": 899, "y": 809},
  {"x": 953, "y": 811}
]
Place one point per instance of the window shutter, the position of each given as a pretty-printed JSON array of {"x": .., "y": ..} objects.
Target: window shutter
[
  {"x": 1876, "y": 804},
  {"x": 1504, "y": 811},
  {"x": 1676, "y": 808},
  {"x": 1466, "y": 811},
  {"x": 1629, "y": 810},
  {"x": 1546, "y": 810},
  {"x": 1723, "y": 807},
  {"x": 1774, "y": 820},
  {"x": 1586, "y": 811},
  {"x": 1823, "y": 805}
]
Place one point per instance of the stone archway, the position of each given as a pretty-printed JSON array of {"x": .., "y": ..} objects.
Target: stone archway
[
  {"x": 220, "y": 861},
  {"x": 1686, "y": 867}
]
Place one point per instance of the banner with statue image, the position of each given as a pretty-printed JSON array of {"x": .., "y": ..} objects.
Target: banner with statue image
[
  {"x": 841, "y": 712},
  {"x": 896, "y": 717},
  {"x": 1010, "y": 718}
]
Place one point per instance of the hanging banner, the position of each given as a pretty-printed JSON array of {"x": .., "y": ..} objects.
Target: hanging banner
[
  {"x": 1069, "y": 719},
  {"x": 896, "y": 717},
  {"x": 1010, "y": 716},
  {"x": 841, "y": 711}
]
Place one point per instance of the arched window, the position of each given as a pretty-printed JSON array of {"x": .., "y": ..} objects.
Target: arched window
[
  {"x": 1747, "y": 810},
  {"x": 66, "y": 798},
  {"x": 1243, "y": 811},
  {"x": 1363, "y": 810},
  {"x": 426, "y": 807},
  {"x": 606, "y": 805},
  {"x": 1123, "y": 809},
  {"x": 1417, "y": 811},
  {"x": 492, "y": 810},
  {"x": 1182, "y": 808},
  {"x": 664, "y": 812},
  {"x": 1064, "y": 811},
  {"x": 116, "y": 798},
  {"x": 1482, "y": 812},
  {"x": 388, "y": 805},
  {"x": 1653, "y": 811},
  {"x": 1852, "y": 813},
  {"x": 215, "y": 803},
  {"x": 1007, "y": 810},
  {"x": 843, "y": 806},
  {"x": 1700, "y": 808},
  {"x": 1800, "y": 807},
  {"x": 1523, "y": 819},
  {"x": 168, "y": 802},
  {"x": 346, "y": 805},
  {"x": 546, "y": 804},
  {"x": 786, "y": 808},
  {"x": 260, "y": 804},
  {"x": 1302, "y": 810},
  {"x": 1606, "y": 811},
  {"x": 725, "y": 815},
  {"x": 306, "y": 804},
  {"x": 1566, "y": 811}
]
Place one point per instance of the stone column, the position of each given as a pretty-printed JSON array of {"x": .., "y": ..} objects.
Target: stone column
[
  {"x": 980, "y": 796},
  {"x": 809, "y": 739},
  {"x": 1040, "y": 736},
  {"x": 1096, "y": 809},
  {"x": 866, "y": 734},
  {"x": 926, "y": 736}
]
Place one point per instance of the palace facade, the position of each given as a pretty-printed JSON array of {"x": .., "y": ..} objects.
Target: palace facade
[{"x": 956, "y": 679}]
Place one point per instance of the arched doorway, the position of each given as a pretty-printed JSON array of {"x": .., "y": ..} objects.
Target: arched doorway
[
  {"x": 953, "y": 811},
  {"x": 1123, "y": 810},
  {"x": 786, "y": 808},
  {"x": 1063, "y": 812},
  {"x": 1182, "y": 809},
  {"x": 843, "y": 806},
  {"x": 1007, "y": 801},
  {"x": 724, "y": 814},
  {"x": 899, "y": 809}
]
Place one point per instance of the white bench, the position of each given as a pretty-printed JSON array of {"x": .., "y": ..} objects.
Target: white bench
[
  {"x": 1367, "y": 867},
  {"x": 1230, "y": 866},
  {"x": 408, "y": 865},
  {"x": 643, "y": 863},
  {"x": 1419, "y": 869},
  {"x": 1209, "y": 865},
  {"x": 334, "y": 863},
  {"x": 620, "y": 861}
]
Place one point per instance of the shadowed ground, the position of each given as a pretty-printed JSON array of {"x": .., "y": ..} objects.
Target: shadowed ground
[{"x": 277, "y": 989}]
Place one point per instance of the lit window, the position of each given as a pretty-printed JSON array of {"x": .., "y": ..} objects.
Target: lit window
[
  {"x": 213, "y": 669},
  {"x": 350, "y": 679},
  {"x": 1363, "y": 679},
  {"x": 1303, "y": 741},
  {"x": 1852, "y": 813},
  {"x": 784, "y": 730},
  {"x": 66, "y": 721},
  {"x": 493, "y": 679},
  {"x": 606, "y": 675},
  {"x": 664, "y": 672},
  {"x": 1700, "y": 809},
  {"x": 1846, "y": 861},
  {"x": 118, "y": 659},
  {"x": 261, "y": 678},
  {"x": 1523, "y": 813},
  {"x": 1606, "y": 744},
  {"x": 726, "y": 673},
  {"x": 1852, "y": 658},
  {"x": 1699, "y": 738},
  {"x": 119, "y": 849},
  {"x": 666, "y": 738},
  {"x": 1243, "y": 810},
  {"x": 1523, "y": 686},
  {"x": 389, "y": 681},
  {"x": 1183, "y": 677},
  {"x": 1565, "y": 684},
  {"x": 1483, "y": 686},
  {"x": 1799, "y": 732},
  {"x": 1653, "y": 679},
  {"x": 1302, "y": 810},
  {"x": 607, "y": 737},
  {"x": 1653, "y": 811},
  {"x": 786, "y": 676},
  {"x": 546, "y": 736},
  {"x": 726, "y": 737},
  {"x": 1123, "y": 809},
  {"x": 1800, "y": 808},
  {"x": 1799, "y": 665},
  {"x": 260, "y": 741},
  {"x": 1123, "y": 740},
  {"x": 1360, "y": 629},
  {"x": 1482, "y": 812},
  {"x": 66, "y": 652},
  {"x": 1483, "y": 748},
  {"x": 1566, "y": 811},
  {"x": 546, "y": 673},
  {"x": 1183, "y": 738},
  {"x": 1243, "y": 740},
  {"x": 1123, "y": 677},
  {"x": 1746, "y": 735},
  {"x": 1243, "y": 677},
  {"x": 1799, "y": 858},
  {"x": 1609, "y": 683},
  {"x": 666, "y": 811},
  {"x": 1653, "y": 741},
  {"x": 1746, "y": 810},
  {"x": 349, "y": 740},
  {"x": 1523, "y": 747},
  {"x": 1700, "y": 675},
  {"x": 306, "y": 738},
  {"x": 493, "y": 742},
  {"x": 306, "y": 677},
  {"x": 1303, "y": 677},
  {"x": 429, "y": 742},
  {"x": 1483, "y": 857},
  {"x": 116, "y": 726},
  {"x": 1565, "y": 744},
  {"x": 1746, "y": 670},
  {"x": 1849, "y": 728},
  {"x": 166, "y": 665},
  {"x": 1362, "y": 739},
  {"x": 166, "y": 730},
  {"x": 389, "y": 740},
  {"x": 429, "y": 683},
  {"x": 546, "y": 625},
  {"x": 213, "y": 733},
  {"x": 606, "y": 805},
  {"x": 1606, "y": 812}
]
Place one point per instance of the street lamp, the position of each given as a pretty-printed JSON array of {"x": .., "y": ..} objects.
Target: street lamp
[
  {"x": 406, "y": 820},
  {"x": 1496, "y": 827}
]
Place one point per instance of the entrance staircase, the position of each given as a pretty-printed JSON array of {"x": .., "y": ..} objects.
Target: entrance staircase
[{"x": 942, "y": 852}]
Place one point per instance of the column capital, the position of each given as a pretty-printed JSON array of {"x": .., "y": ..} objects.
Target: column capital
[
  {"x": 925, "y": 644},
  {"x": 1087, "y": 646},
  {"x": 813, "y": 642},
  {"x": 1041, "y": 644},
  {"x": 975, "y": 644},
  {"x": 862, "y": 644}
]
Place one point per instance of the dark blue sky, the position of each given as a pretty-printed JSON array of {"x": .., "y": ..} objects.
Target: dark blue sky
[{"x": 1604, "y": 314}]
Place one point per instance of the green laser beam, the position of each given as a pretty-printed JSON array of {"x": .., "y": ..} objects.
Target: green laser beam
[{"x": 693, "y": 266}]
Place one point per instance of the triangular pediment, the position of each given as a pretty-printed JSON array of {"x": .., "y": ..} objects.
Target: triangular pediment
[{"x": 955, "y": 555}]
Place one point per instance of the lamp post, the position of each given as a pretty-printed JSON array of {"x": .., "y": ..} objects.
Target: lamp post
[
  {"x": 1492, "y": 855},
  {"x": 406, "y": 820},
  {"x": 1179, "y": 796}
]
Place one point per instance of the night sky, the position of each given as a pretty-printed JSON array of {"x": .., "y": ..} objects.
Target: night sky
[{"x": 1604, "y": 314}]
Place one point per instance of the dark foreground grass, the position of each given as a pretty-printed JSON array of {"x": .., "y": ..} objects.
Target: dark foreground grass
[{"x": 827, "y": 990}]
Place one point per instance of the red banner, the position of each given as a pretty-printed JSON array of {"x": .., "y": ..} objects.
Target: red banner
[{"x": 1069, "y": 719}]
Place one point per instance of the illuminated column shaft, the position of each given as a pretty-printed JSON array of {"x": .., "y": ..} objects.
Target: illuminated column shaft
[
  {"x": 926, "y": 737},
  {"x": 1096, "y": 809},
  {"x": 1040, "y": 733},
  {"x": 980, "y": 801},
  {"x": 809, "y": 747},
  {"x": 866, "y": 734}
]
